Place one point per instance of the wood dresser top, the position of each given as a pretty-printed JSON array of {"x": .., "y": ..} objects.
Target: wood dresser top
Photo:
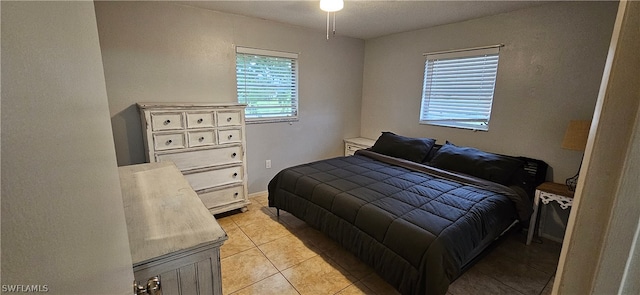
[{"x": 164, "y": 215}]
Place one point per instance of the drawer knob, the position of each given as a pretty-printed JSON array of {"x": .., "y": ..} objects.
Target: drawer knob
[
  {"x": 235, "y": 174},
  {"x": 234, "y": 155},
  {"x": 200, "y": 120},
  {"x": 169, "y": 141},
  {"x": 154, "y": 286},
  {"x": 229, "y": 119},
  {"x": 201, "y": 138},
  {"x": 167, "y": 122},
  {"x": 235, "y": 194},
  {"x": 230, "y": 136}
]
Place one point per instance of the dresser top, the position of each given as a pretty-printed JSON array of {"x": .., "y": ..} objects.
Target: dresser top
[
  {"x": 163, "y": 213},
  {"x": 187, "y": 105}
]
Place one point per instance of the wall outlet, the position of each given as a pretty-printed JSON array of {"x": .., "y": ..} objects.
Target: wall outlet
[{"x": 267, "y": 164}]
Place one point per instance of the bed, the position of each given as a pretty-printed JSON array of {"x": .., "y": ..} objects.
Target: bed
[{"x": 416, "y": 212}]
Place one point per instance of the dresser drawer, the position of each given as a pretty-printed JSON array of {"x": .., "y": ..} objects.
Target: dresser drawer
[
  {"x": 229, "y": 118},
  {"x": 213, "y": 178},
  {"x": 203, "y": 158},
  {"x": 166, "y": 121},
  {"x": 223, "y": 196},
  {"x": 201, "y": 138},
  {"x": 200, "y": 120},
  {"x": 229, "y": 136},
  {"x": 168, "y": 141}
]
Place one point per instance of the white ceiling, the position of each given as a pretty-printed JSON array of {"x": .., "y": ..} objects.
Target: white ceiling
[{"x": 367, "y": 19}]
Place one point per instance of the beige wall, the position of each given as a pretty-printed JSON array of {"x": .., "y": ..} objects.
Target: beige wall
[
  {"x": 166, "y": 52},
  {"x": 549, "y": 73},
  {"x": 62, "y": 219}
]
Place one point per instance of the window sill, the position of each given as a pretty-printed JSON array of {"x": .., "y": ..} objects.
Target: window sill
[
  {"x": 270, "y": 120},
  {"x": 457, "y": 125}
]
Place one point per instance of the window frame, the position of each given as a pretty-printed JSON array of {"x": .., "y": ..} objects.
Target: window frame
[
  {"x": 294, "y": 92},
  {"x": 481, "y": 102}
]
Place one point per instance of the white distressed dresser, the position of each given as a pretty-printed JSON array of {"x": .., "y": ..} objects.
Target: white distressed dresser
[
  {"x": 174, "y": 240},
  {"x": 207, "y": 143}
]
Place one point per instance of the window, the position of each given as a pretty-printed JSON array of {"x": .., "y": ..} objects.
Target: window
[
  {"x": 458, "y": 88},
  {"x": 268, "y": 83}
]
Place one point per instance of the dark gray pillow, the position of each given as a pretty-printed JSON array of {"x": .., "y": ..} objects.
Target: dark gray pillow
[
  {"x": 472, "y": 161},
  {"x": 408, "y": 148}
]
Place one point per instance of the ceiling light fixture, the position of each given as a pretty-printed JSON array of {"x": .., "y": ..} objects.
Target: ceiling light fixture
[{"x": 331, "y": 6}]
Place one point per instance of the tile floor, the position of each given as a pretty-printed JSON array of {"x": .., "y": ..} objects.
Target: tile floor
[{"x": 267, "y": 255}]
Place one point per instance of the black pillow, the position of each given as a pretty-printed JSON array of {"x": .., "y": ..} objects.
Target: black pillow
[
  {"x": 472, "y": 161},
  {"x": 408, "y": 148}
]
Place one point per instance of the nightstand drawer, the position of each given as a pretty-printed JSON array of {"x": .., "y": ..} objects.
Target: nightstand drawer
[
  {"x": 168, "y": 141},
  {"x": 352, "y": 148},
  {"x": 352, "y": 145},
  {"x": 166, "y": 121}
]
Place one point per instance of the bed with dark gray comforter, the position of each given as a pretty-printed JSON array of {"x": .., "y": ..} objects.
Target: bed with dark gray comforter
[{"x": 418, "y": 226}]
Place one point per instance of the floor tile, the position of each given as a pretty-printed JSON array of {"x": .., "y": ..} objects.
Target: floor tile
[
  {"x": 262, "y": 199},
  {"x": 521, "y": 277},
  {"x": 317, "y": 276},
  {"x": 541, "y": 256},
  {"x": 356, "y": 289},
  {"x": 236, "y": 243},
  {"x": 244, "y": 269},
  {"x": 291, "y": 222},
  {"x": 378, "y": 285},
  {"x": 549, "y": 287},
  {"x": 317, "y": 239},
  {"x": 348, "y": 261},
  {"x": 265, "y": 231},
  {"x": 287, "y": 251},
  {"x": 293, "y": 258},
  {"x": 273, "y": 285},
  {"x": 226, "y": 223},
  {"x": 474, "y": 282},
  {"x": 256, "y": 213}
]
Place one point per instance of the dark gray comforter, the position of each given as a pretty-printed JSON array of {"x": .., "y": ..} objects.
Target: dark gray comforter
[{"x": 417, "y": 226}]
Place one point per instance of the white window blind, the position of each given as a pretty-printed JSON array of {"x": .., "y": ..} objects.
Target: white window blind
[
  {"x": 458, "y": 88},
  {"x": 267, "y": 81}
]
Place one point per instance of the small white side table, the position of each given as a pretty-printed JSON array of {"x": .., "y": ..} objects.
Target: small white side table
[
  {"x": 547, "y": 192},
  {"x": 351, "y": 145}
]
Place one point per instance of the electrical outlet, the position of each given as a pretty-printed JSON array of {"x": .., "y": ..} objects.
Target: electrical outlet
[{"x": 267, "y": 164}]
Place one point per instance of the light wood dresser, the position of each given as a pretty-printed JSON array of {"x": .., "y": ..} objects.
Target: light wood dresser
[
  {"x": 174, "y": 240},
  {"x": 206, "y": 142}
]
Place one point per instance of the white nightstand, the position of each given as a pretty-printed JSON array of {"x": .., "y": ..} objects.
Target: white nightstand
[
  {"x": 547, "y": 192},
  {"x": 351, "y": 145}
]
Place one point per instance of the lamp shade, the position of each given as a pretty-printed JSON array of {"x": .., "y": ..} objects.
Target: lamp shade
[
  {"x": 331, "y": 5},
  {"x": 575, "y": 138}
]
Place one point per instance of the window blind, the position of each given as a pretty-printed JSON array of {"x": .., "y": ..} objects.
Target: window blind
[
  {"x": 458, "y": 88},
  {"x": 267, "y": 82}
]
